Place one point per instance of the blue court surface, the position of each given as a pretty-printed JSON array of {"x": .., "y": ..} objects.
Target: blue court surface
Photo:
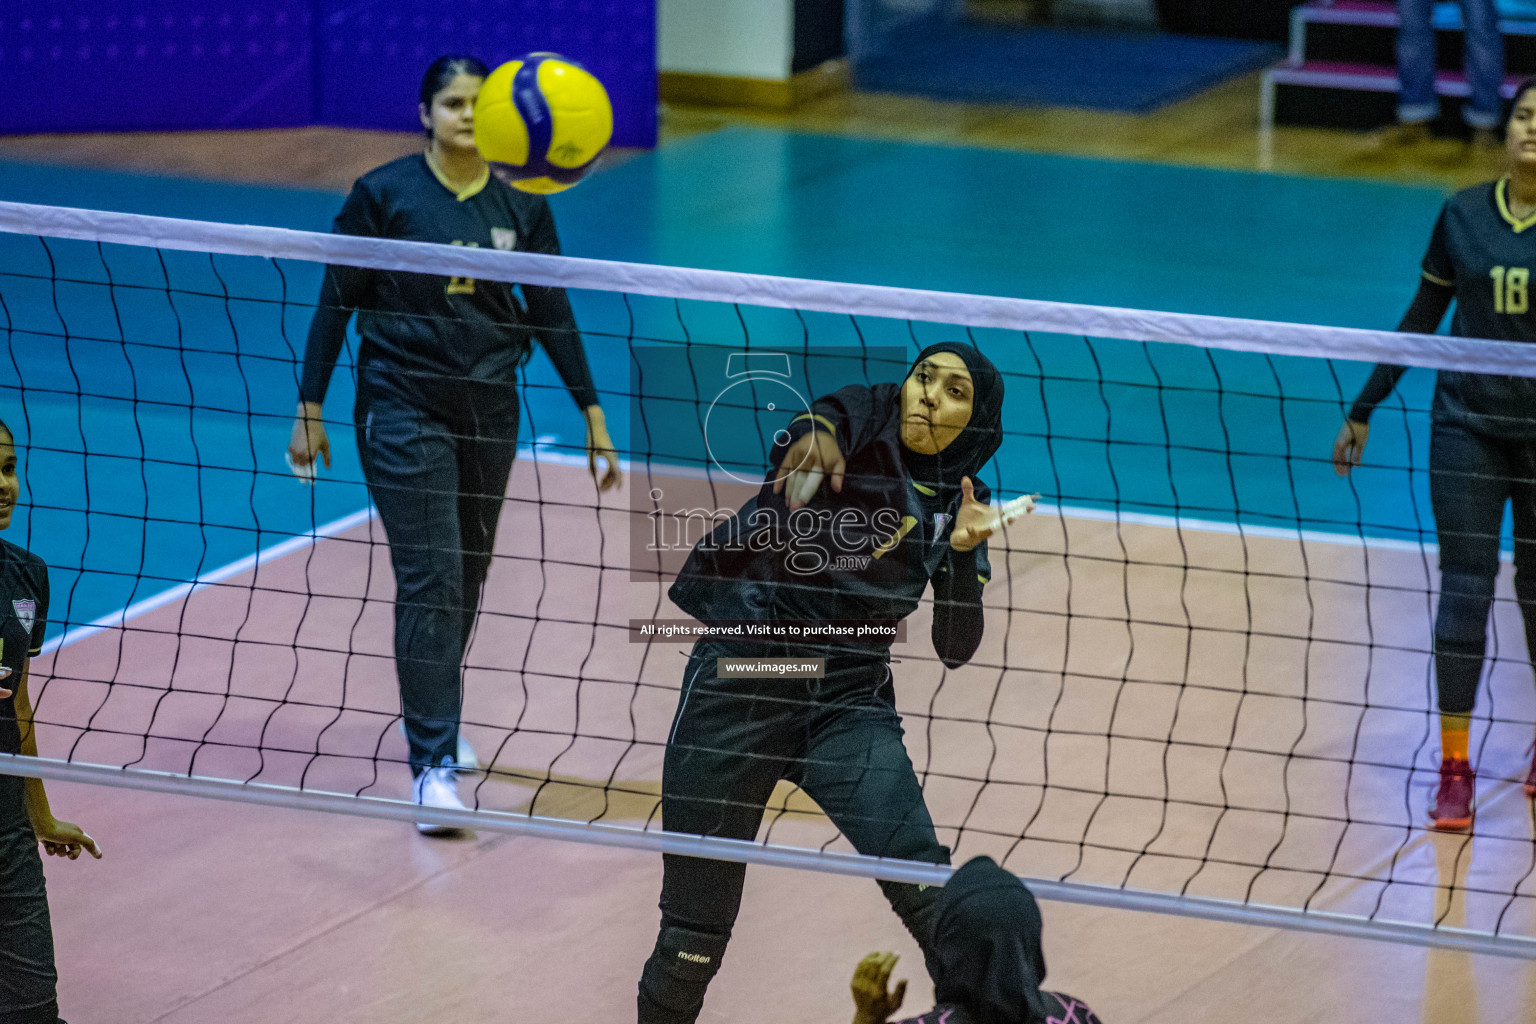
[{"x": 1151, "y": 429}]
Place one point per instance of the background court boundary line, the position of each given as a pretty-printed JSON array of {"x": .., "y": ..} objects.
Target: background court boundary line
[
  {"x": 121, "y": 617},
  {"x": 118, "y": 619},
  {"x": 1088, "y": 512},
  {"x": 773, "y": 855}
]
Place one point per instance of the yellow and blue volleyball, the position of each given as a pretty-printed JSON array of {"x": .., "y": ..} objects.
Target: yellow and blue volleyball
[{"x": 545, "y": 119}]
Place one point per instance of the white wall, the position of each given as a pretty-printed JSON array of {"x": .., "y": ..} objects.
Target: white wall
[{"x": 729, "y": 38}]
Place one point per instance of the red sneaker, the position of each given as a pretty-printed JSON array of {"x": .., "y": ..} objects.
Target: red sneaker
[{"x": 1452, "y": 809}]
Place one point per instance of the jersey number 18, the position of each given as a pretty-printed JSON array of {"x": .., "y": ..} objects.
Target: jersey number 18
[{"x": 1511, "y": 289}]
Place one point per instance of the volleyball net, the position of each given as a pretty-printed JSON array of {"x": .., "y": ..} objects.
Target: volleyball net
[{"x": 1205, "y": 685}]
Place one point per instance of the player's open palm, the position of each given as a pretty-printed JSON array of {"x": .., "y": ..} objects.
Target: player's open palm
[
  {"x": 64, "y": 839},
  {"x": 809, "y": 461},
  {"x": 873, "y": 1001},
  {"x": 1349, "y": 446}
]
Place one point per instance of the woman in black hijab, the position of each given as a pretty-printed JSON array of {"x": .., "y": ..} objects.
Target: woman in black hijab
[
  {"x": 872, "y": 499},
  {"x": 989, "y": 964}
]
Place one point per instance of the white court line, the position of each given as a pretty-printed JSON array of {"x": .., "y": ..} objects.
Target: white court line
[
  {"x": 540, "y": 454},
  {"x": 1243, "y": 529},
  {"x": 119, "y": 618},
  {"x": 1096, "y": 514}
]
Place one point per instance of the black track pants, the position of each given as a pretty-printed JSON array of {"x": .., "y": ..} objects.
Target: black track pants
[
  {"x": 438, "y": 480},
  {"x": 1471, "y": 478},
  {"x": 27, "y": 976},
  {"x": 838, "y": 738}
]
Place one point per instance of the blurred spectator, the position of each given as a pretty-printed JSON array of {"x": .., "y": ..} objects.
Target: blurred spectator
[{"x": 1417, "y": 103}]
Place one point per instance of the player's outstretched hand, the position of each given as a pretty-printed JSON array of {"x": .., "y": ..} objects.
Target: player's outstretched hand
[
  {"x": 813, "y": 458},
  {"x": 308, "y": 443},
  {"x": 975, "y": 521},
  {"x": 600, "y": 446},
  {"x": 1348, "y": 446},
  {"x": 873, "y": 1002},
  {"x": 5, "y": 674},
  {"x": 62, "y": 839}
]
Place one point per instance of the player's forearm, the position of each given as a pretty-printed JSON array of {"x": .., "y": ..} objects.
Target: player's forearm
[
  {"x": 34, "y": 796},
  {"x": 958, "y": 620},
  {"x": 1423, "y": 317},
  {"x": 1377, "y": 387},
  {"x": 327, "y": 333},
  {"x": 957, "y": 632},
  {"x": 828, "y": 416},
  {"x": 550, "y": 315}
]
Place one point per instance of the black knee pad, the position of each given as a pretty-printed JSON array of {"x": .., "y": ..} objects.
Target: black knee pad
[
  {"x": 678, "y": 973},
  {"x": 918, "y": 908}
]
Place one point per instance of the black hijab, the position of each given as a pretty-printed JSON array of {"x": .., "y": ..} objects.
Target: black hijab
[
  {"x": 980, "y": 438},
  {"x": 988, "y": 939}
]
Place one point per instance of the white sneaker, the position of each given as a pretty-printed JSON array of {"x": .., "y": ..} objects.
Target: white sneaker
[{"x": 437, "y": 787}]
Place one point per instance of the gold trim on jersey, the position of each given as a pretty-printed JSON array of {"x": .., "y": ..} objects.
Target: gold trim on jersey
[
  {"x": 1500, "y": 196},
  {"x": 924, "y": 490},
  {"x": 816, "y": 417},
  {"x": 907, "y": 523},
  {"x": 469, "y": 191},
  {"x": 1435, "y": 280}
]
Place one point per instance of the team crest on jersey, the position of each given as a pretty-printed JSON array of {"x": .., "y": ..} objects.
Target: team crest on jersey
[
  {"x": 940, "y": 521},
  {"x": 26, "y": 613},
  {"x": 504, "y": 239}
]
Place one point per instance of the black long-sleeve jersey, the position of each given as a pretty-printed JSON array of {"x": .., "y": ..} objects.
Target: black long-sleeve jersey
[
  {"x": 866, "y": 553},
  {"x": 421, "y": 331},
  {"x": 23, "y": 621},
  {"x": 1481, "y": 255}
]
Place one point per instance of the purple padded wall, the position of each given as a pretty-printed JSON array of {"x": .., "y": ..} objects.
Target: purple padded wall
[
  {"x": 126, "y": 65},
  {"x": 372, "y": 53}
]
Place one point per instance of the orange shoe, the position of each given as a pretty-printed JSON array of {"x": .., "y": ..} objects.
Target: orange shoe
[
  {"x": 1530, "y": 778},
  {"x": 1452, "y": 809}
]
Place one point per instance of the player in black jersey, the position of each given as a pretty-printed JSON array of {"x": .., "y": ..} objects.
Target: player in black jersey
[
  {"x": 437, "y": 407},
  {"x": 1482, "y": 449},
  {"x": 872, "y": 500},
  {"x": 990, "y": 963},
  {"x": 27, "y": 976}
]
